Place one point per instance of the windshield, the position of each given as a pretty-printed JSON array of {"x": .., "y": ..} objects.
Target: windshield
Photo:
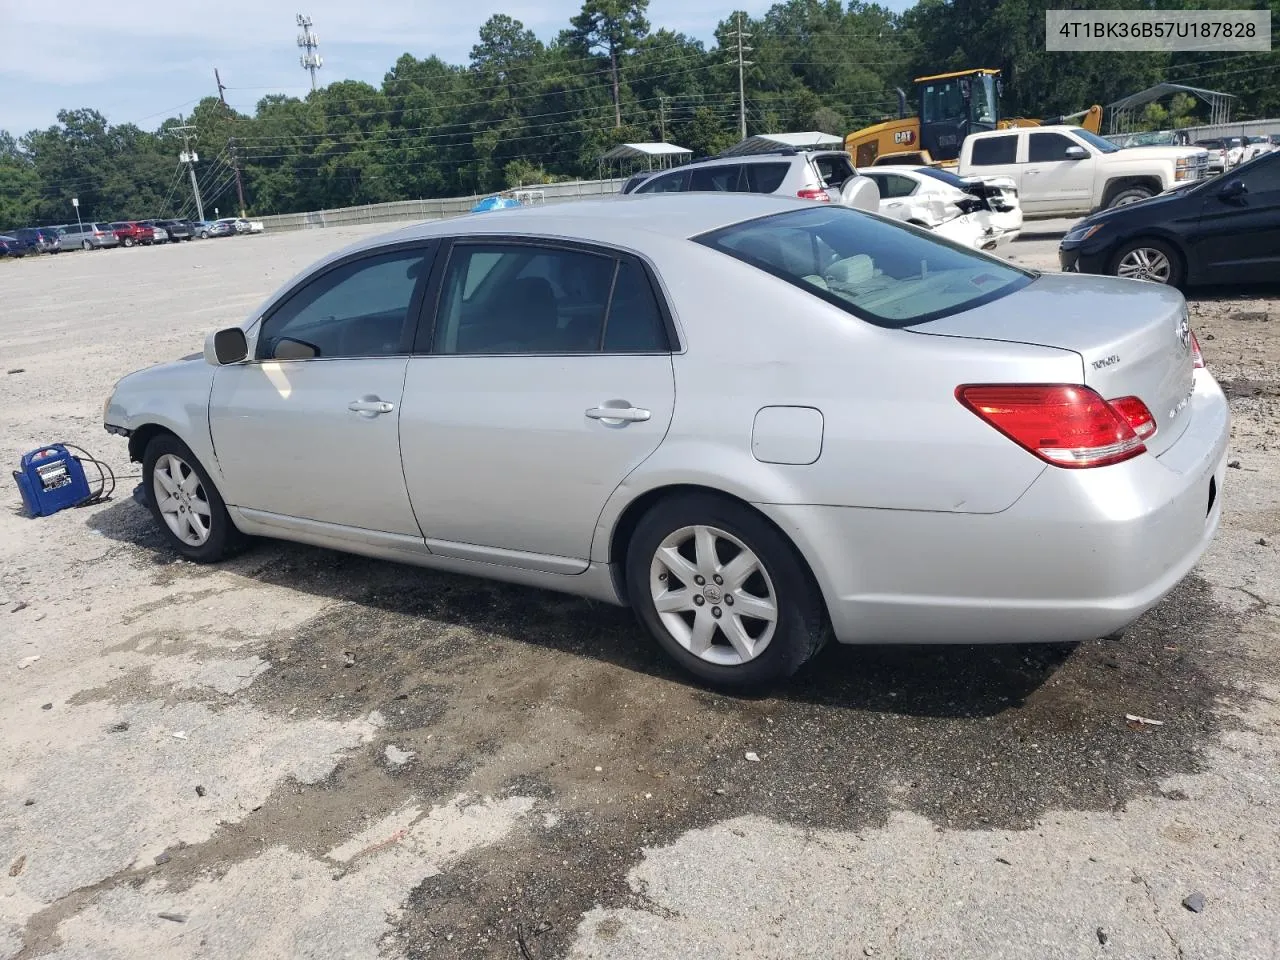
[
  {"x": 1103, "y": 145},
  {"x": 879, "y": 270}
]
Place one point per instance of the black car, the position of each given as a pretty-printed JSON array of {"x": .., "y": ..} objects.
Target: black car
[
  {"x": 12, "y": 246},
  {"x": 1223, "y": 230},
  {"x": 38, "y": 239},
  {"x": 177, "y": 229}
]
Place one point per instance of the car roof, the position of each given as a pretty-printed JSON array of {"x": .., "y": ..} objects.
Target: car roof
[{"x": 611, "y": 220}]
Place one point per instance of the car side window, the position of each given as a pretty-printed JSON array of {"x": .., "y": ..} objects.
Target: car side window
[
  {"x": 993, "y": 151},
  {"x": 670, "y": 183},
  {"x": 764, "y": 177},
  {"x": 722, "y": 179},
  {"x": 1263, "y": 178},
  {"x": 531, "y": 299},
  {"x": 1047, "y": 147},
  {"x": 893, "y": 186},
  {"x": 634, "y": 323},
  {"x": 360, "y": 309}
]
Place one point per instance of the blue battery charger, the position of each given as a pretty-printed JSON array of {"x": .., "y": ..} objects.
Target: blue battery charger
[{"x": 51, "y": 479}]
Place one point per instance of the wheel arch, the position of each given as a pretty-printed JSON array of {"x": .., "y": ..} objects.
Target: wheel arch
[
  {"x": 624, "y": 528},
  {"x": 1117, "y": 184}
]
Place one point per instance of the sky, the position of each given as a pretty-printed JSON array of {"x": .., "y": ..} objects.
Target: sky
[{"x": 141, "y": 61}]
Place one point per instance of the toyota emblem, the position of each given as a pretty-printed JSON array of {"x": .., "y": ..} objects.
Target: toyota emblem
[{"x": 1183, "y": 330}]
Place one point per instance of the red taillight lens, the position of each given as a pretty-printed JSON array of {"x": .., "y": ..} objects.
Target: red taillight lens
[
  {"x": 1137, "y": 415},
  {"x": 1063, "y": 424},
  {"x": 814, "y": 193},
  {"x": 1197, "y": 358}
]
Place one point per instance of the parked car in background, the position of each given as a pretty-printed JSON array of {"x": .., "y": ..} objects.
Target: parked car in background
[
  {"x": 176, "y": 229},
  {"x": 1225, "y": 230},
  {"x": 827, "y": 176},
  {"x": 130, "y": 233},
  {"x": 38, "y": 239},
  {"x": 220, "y": 228},
  {"x": 200, "y": 228},
  {"x": 1256, "y": 147},
  {"x": 758, "y": 422},
  {"x": 257, "y": 226},
  {"x": 88, "y": 236},
  {"x": 12, "y": 247},
  {"x": 158, "y": 233},
  {"x": 1065, "y": 171},
  {"x": 976, "y": 214}
]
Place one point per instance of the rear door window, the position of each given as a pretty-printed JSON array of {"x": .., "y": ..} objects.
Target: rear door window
[
  {"x": 995, "y": 151},
  {"x": 721, "y": 179},
  {"x": 634, "y": 323}
]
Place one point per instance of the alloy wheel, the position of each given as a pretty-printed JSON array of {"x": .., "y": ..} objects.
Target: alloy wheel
[
  {"x": 1145, "y": 263},
  {"x": 181, "y": 500},
  {"x": 713, "y": 595}
]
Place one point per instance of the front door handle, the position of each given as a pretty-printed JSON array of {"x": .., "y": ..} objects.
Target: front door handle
[
  {"x": 618, "y": 411},
  {"x": 370, "y": 406}
]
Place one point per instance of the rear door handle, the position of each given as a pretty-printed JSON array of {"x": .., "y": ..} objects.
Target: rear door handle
[
  {"x": 370, "y": 406},
  {"x": 618, "y": 411}
]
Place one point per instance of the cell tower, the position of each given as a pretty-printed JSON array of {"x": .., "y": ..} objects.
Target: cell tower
[{"x": 309, "y": 42}]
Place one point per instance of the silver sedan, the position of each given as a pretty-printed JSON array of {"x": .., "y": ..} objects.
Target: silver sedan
[{"x": 760, "y": 422}]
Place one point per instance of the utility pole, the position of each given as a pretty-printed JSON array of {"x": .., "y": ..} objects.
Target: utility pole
[
  {"x": 189, "y": 157},
  {"x": 309, "y": 42},
  {"x": 662, "y": 118},
  {"x": 739, "y": 36},
  {"x": 231, "y": 144}
]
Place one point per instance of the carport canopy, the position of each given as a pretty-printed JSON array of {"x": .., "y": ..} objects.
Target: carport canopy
[{"x": 773, "y": 142}]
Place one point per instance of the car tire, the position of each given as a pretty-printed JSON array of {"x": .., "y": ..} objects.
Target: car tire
[
  {"x": 702, "y": 535},
  {"x": 204, "y": 234},
  {"x": 1129, "y": 195},
  {"x": 127, "y": 241},
  {"x": 1148, "y": 259},
  {"x": 87, "y": 245},
  {"x": 197, "y": 525}
]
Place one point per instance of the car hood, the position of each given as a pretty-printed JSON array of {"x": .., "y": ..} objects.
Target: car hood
[
  {"x": 1159, "y": 153},
  {"x": 1150, "y": 203}
]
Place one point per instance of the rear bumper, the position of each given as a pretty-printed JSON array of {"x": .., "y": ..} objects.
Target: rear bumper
[{"x": 1082, "y": 553}]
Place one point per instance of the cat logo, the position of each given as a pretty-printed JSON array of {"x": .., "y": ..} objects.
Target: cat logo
[{"x": 904, "y": 137}]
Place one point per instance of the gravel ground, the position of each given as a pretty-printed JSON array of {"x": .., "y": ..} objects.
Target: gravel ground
[{"x": 300, "y": 753}]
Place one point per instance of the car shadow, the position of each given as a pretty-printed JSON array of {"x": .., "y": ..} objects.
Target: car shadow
[{"x": 927, "y": 680}]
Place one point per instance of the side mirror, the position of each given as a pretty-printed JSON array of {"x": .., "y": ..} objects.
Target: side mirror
[
  {"x": 1076, "y": 153},
  {"x": 227, "y": 346},
  {"x": 1233, "y": 189}
]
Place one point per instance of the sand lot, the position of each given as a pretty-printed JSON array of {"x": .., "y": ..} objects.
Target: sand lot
[{"x": 305, "y": 754}]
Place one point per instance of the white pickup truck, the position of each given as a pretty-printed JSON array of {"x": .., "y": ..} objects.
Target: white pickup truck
[{"x": 1069, "y": 172}]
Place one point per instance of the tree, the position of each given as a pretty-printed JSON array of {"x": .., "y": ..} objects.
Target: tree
[{"x": 614, "y": 27}]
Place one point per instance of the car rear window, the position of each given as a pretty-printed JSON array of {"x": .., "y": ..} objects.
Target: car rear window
[
  {"x": 878, "y": 270},
  {"x": 722, "y": 179}
]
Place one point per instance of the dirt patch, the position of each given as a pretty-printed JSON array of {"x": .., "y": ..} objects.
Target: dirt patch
[{"x": 498, "y": 690}]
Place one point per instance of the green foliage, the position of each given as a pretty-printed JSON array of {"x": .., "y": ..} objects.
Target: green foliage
[{"x": 525, "y": 111}]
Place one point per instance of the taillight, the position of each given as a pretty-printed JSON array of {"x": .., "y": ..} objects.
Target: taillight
[
  {"x": 1137, "y": 415},
  {"x": 814, "y": 193},
  {"x": 1197, "y": 358},
  {"x": 1066, "y": 425}
]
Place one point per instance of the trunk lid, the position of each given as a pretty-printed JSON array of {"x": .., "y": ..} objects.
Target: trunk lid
[{"x": 1134, "y": 338}]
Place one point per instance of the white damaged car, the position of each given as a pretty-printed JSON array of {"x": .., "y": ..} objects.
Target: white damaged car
[{"x": 979, "y": 212}]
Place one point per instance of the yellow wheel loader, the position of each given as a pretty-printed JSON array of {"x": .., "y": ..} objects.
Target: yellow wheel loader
[{"x": 949, "y": 107}]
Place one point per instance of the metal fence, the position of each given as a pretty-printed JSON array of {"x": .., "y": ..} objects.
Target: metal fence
[{"x": 439, "y": 209}]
